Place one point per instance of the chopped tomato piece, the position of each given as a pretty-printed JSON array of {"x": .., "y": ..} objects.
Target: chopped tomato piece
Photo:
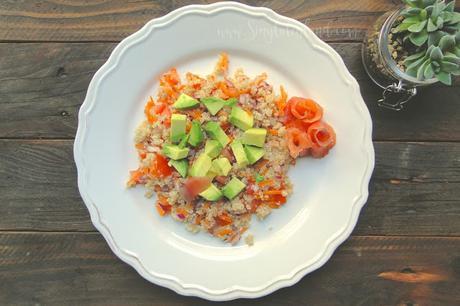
[
  {"x": 171, "y": 77},
  {"x": 298, "y": 142},
  {"x": 322, "y": 137},
  {"x": 160, "y": 167},
  {"x": 163, "y": 207},
  {"x": 224, "y": 219},
  {"x": 223, "y": 232},
  {"x": 152, "y": 110},
  {"x": 228, "y": 90},
  {"x": 148, "y": 110},
  {"x": 194, "y": 185}
]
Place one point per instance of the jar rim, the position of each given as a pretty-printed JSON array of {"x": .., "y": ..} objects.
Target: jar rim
[{"x": 386, "y": 55}]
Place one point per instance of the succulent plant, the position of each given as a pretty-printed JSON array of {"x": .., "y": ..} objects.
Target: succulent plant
[{"x": 433, "y": 28}]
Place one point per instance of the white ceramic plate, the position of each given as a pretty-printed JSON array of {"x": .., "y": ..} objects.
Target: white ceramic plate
[{"x": 292, "y": 241}]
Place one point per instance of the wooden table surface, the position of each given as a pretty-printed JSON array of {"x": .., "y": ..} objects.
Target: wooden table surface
[{"x": 405, "y": 249}]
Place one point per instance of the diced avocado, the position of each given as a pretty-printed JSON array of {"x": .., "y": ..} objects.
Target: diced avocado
[
  {"x": 253, "y": 153},
  {"x": 222, "y": 166},
  {"x": 212, "y": 148},
  {"x": 178, "y": 123},
  {"x": 211, "y": 174},
  {"x": 213, "y": 104},
  {"x": 201, "y": 165},
  {"x": 255, "y": 137},
  {"x": 180, "y": 165},
  {"x": 231, "y": 102},
  {"x": 183, "y": 141},
  {"x": 185, "y": 101},
  {"x": 233, "y": 188},
  {"x": 240, "y": 155},
  {"x": 196, "y": 134},
  {"x": 212, "y": 193},
  {"x": 174, "y": 152},
  {"x": 241, "y": 119},
  {"x": 215, "y": 132}
]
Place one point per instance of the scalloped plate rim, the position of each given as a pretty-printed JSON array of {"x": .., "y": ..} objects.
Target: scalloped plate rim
[{"x": 167, "y": 280}]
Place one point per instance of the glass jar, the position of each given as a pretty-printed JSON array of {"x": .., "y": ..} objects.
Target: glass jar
[{"x": 379, "y": 64}]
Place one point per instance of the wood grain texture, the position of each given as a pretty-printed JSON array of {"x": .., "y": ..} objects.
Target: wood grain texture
[
  {"x": 68, "y": 20},
  {"x": 43, "y": 86},
  {"x": 79, "y": 269},
  {"x": 415, "y": 189}
]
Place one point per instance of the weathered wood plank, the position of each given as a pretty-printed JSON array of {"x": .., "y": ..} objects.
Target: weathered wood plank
[
  {"x": 77, "y": 269},
  {"x": 415, "y": 189},
  {"x": 67, "y": 20},
  {"x": 43, "y": 86}
]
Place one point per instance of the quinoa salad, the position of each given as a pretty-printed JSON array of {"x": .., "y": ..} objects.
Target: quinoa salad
[{"x": 216, "y": 149}]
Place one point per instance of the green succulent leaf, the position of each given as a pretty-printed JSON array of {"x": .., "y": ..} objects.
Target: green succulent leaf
[
  {"x": 429, "y": 72},
  {"x": 411, "y": 20},
  {"x": 436, "y": 54},
  {"x": 448, "y": 66},
  {"x": 439, "y": 22},
  {"x": 412, "y": 68},
  {"x": 446, "y": 16},
  {"x": 444, "y": 78},
  {"x": 421, "y": 69},
  {"x": 450, "y": 57},
  {"x": 423, "y": 14},
  {"x": 435, "y": 37},
  {"x": 417, "y": 27},
  {"x": 411, "y": 11},
  {"x": 455, "y": 18},
  {"x": 450, "y": 6},
  {"x": 420, "y": 38},
  {"x": 428, "y": 2},
  {"x": 402, "y": 27},
  {"x": 415, "y": 56},
  {"x": 456, "y": 51},
  {"x": 431, "y": 27},
  {"x": 447, "y": 42},
  {"x": 437, "y": 9}
]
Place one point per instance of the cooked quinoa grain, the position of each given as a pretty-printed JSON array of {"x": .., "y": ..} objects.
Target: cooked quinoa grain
[{"x": 266, "y": 185}]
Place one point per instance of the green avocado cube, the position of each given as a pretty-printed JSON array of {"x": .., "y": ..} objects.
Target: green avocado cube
[
  {"x": 231, "y": 102},
  {"x": 217, "y": 133},
  {"x": 233, "y": 188},
  {"x": 253, "y": 153},
  {"x": 180, "y": 165},
  {"x": 201, "y": 165},
  {"x": 212, "y": 193},
  {"x": 174, "y": 152},
  {"x": 196, "y": 134},
  {"x": 183, "y": 141},
  {"x": 241, "y": 119},
  {"x": 212, "y": 148},
  {"x": 240, "y": 155},
  {"x": 222, "y": 166},
  {"x": 213, "y": 104},
  {"x": 254, "y": 137},
  {"x": 185, "y": 102},
  {"x": 178, "y": 123},
  {"x": 211, "y": 174}
]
